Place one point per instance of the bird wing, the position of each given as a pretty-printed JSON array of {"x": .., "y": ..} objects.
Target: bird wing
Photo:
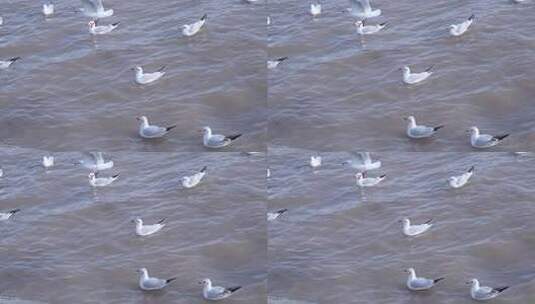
[
  {"x": 89, "y": 6},
  {"x": 151, "y": 131},
  {"x": 357, "y": 5}
]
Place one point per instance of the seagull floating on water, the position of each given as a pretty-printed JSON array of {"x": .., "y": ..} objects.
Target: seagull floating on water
[
  {"x": 363, "y": 9},
  {"x": 48, "y": 9},
  {"x": 315, "y": 161},
  {"x": 192, "y": 29},
  {"x": 483, "y": 293},
  {"x": 369, "y": 29},
  {"x": 216, "y": 141},
  {"x": 414, "y": 230},
  {"x": 215, "y": 293},
  {"x": 271, "y": 64},
  {"x": 482, "y": 141},
  {"x": 145, "y": 230},
  {"x": 461, "y": 180},
  {"x": 364, "y": 181},
  {"x": 95, "y": 9},
  {"x": 152, "y": 131},
  {"x": 95, "y": 29},
  {"x": 413, "y": 78},
  {"x": 461, "y": 28},
  {"x": 362, "y": 161},
  {"x": 419, "y": 283},
  {"x": 151, "y": 283},
  {"x": 146, "y": 78},
  {"x": 4, "y": 216},
  {"x": 193, "y": 180},
  {"x": 1, "y": 21},
  {"x": 420, "y": 131},
  {"x": 271, "y": 216},
  {"x": 4, "y": 64},
  {"x": 96, "y": 181},
  {"x": 315, "y": 9},
  {"x": 268, "y": 20},
  {"x": 1, "y": 172},
  {"x": 48, "y": 161}
]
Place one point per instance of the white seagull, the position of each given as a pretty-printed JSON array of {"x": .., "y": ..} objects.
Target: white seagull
[
  {"x": 151, "y": 283},
  {"x": 362, "y": 162},
  {"x": 1, "y": 172},
  {"x": 364, "y": 181},
  {"x": 461, "y": 28},
  {"x": 98, "y": 163},
  {"x": 4, "y": 64},
  {"x": 315, "y": 161},
  {"x": 95, "y": 29},
  {"x": 419, "y": 131},
  {"x": 461, "y": 180},
  {"x": 414, "y": 230},
  {"x": 271, "y": 216},
  {"x": 216, "y": 141},
  {"x": 193, "y": 180},
  {"x": 419, "y": 283},
  {"x": 48, "y": 161},
  {"x": 413, "y": 78},
  {"x": 484, "y": 140},
  {"x": 363, "y": 9},
  {"x": 315, "y": 9},
  {"x": 95, "y": 9},
  {"x": 482, "y": 293},
  {"x": 48, "y": 9},
  {"x": 1, "y": 21},
  {"x": 194, "y": 28},
  {"x": 145, "y": 78},
  {"x": 215, "y": 293},
  {"x": 368, "y": 29},
  {"x": 271, "y": 64},
  {"x": 96, "y": 181},
  {"x": 151, "y": 131},
  {"x": 144, "y": 230},
  {"x": 4, "y": 216}
]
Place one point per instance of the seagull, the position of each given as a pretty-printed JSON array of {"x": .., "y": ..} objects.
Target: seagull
[
  {"x": 193, "y": 180},
  {"x": 315, "y": 9},
  {"x": 461, "y": 180},
  {"x": 271, "y": 216},
  {"x": 363, "y": 181},
  {"x": 414, "y": 230},
  {"x": 461, "y": 28},
  {"x": 215, "y": 293},
  {"x": 96, "y": 181},
  {"x": 315, "y": 161},
  {"x": 152, "y": 131},
  {"x": 268, "y": 173},
  {"x": 98, "y": 163},
  {"x": 48, "y": 9},
  {"x": 192, "y": 29},
  {"x": 484, "y": 140},
  {"x": 363, "y": 9},
  {"x": 417, "y": 284},
  {"x": 48, "y": 161},
  {"x": 515, "y": 1},
  {"x": 4, "y": 216},
  {"x": 216, "y": 141},
  {"x": 368, "y": 29},
  {"x": 413, "y": 78},
  {"x": 151, "y": 283},
  {"x": 268, "y": 20},
  {"x": 144, "y": 230},
  {"x": 101, "y": 29},
  {"x": 1, "y": 172},
  {"x": 95, "y": 9},
  {"x": 362, "y": 162},
  {"x": 482, "y": 293},
  {"x": 145, "y": 78},
  {"x": 4, "y": 64},
  {"x": 1, "y": 21},
  {"x": 271, "y": 64},
  {"x": 420, "y": 131},
  {"x": 252, "y": 1}
]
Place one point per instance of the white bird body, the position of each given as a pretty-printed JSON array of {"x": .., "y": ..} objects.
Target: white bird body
[
  {"x": 271, "y": 216},
  {"x": 48, "y": 161},
  {"x": 95, "y": 9},
  {"x": 461, "y": 28},
  {"x": 192, "y": 29},
  {"x": 1, "y": 21},
  {"x": 414, "y": 230},
  {"x": 413, "y": 78},
  {"x": 483, "y": 293},
  {"x": 362, "y": 9},
  {"x": 95, "y": 181},
  {"x": 419, "y": 283},
  {"x": 272, "y": 64},
  {"x": 315, "y": 9},
  {"x": 193, "y": 180},
  {"x": 1, "y": 172},
  {"x": 146, "y": 78},
  {"x": 152, "y": 131},
  {"x": 461, "y": 180},
  {"x": 363, "y": 181},
  {"x": 215, "y": 293},
  {"x": 4, "y": 216},
  {"x": 368, "y": 29},
  {"x": 95, "y": 29},
  {"x": 419, "y": 131},
  {"x": 4, "y": 64},
  {"x": 48, "y": 9},
  {"x": 145, "y": 230},
  {"x": 151, "y": 283},
  {"x": 315, "y": 161},
  {"x": 362, "y": 162},
  {"x": 482, "y": 141},
  {"x": 216, "y": 141}
]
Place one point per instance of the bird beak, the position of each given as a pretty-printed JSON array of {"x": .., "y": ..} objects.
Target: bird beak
[
  {"x": 200, "y": 282},
  {"x": 405, "y": 118},
  {"x": 138, "y": 118},
  {"x": 468, "y": 282}
]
